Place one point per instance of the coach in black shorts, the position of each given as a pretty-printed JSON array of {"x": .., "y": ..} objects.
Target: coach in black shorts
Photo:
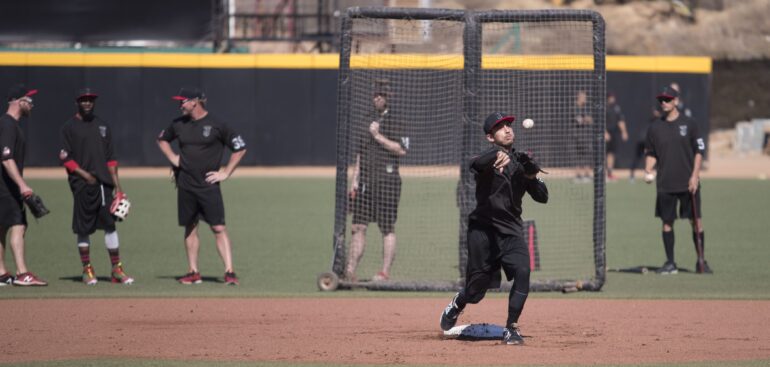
[
  {"x": 495, "y": 237},
  {"x": 376, "y": 187},
  {"x": 675, "y": 144},
  {"x": 88, "y": 155},
  {"x": 202, "y": 138},
  {"x": 13, "y": 187}
]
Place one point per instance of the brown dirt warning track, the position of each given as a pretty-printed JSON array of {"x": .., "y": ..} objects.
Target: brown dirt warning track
[{"x": 382, "y": 331}]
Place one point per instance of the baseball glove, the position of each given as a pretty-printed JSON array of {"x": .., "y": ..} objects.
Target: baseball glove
[
  {"x": 530, "y": 166},
  {"x": 120, "y": 206},
  {"x": 36, "y": 206}
]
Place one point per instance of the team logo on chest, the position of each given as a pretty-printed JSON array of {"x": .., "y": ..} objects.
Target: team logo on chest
[
  {"x": 207, "y": 131},
  {"x": 683, "y": 130},
  {"x": 103, "y": 131}
]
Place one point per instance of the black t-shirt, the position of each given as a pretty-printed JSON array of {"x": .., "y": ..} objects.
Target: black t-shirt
[
  {"x": 614, "y": 117},
  {"x": 89, "y": 144},
  {"x": 674, "y": 145},
  {"x": 201, "y": 146},
  {"x": 378, "y": 163},
  {"x": 12, "y": 146},
  {"x": 499, "y": 194}
]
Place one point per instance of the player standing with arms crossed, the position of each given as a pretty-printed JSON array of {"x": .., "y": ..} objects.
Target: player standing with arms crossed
[
  {"x": 202, "y": 138},
  {"x": 495, "y": 236},
  {"x": 13, "y": 188},
  {"x": 88, "y": 155},
  {"x": 376, "y": 187},
  {"x": 674, "y": 143}
]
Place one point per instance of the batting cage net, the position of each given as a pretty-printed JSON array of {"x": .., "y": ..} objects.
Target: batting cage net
[{"x": 414, "y": 88}]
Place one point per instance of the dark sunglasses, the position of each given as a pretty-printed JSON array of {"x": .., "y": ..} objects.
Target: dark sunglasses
[{"x": 665, "y": 99}]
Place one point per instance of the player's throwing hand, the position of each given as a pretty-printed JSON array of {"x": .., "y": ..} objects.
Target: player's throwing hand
[{"x": 502, "y": 160}]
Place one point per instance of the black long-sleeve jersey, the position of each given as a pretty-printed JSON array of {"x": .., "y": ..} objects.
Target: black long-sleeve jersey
[{"x": 499, "y": 194}]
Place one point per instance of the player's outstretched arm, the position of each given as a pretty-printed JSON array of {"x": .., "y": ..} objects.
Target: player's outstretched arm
[{"x": 484, "y": 161}]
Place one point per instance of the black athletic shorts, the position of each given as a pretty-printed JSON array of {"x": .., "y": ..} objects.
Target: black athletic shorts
[
  {"x": 489, "y": 250},
  {"x": 91, "y": 210},
  {"x": 12, "y": 212},
  {"x": 665, "y": 206},
  {"x": 378, "y": 203},
  {"x": 195, "y": 204}
]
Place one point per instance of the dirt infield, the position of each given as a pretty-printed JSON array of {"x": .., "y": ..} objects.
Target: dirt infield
[{"x": 382, "y": 331}]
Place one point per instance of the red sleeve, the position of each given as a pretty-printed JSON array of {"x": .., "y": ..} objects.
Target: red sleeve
[
  {"x": 112, "y": 163},
  {"x": 71, "y": 165}
]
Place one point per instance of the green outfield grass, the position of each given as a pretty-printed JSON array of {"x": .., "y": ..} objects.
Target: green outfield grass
[{"x": 282, "y": 234}]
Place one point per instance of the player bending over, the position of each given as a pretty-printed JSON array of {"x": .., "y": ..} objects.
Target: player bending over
[{"x": 495, "y": 236}]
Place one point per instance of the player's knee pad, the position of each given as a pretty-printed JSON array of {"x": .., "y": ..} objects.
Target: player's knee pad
[{"x": 111, "y": 240}]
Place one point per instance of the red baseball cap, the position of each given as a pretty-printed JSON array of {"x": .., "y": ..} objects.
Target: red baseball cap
[
  {"x": 86, "y": 93},
  {"x": 20, "y": 90},
  {"x": 189, "y": 93},
  {"x": 494, "y": 119}
]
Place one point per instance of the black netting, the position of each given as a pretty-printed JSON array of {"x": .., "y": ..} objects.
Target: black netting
[{"x": 428, "y": 78}]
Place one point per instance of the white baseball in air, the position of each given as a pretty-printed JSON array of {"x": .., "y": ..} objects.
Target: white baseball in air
[{"x": 528, "y": 123}]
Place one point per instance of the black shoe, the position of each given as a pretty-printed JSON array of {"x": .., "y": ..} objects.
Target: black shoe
[
  {"x": 668, "y": 268},
  {"x": 512, "y": 335},
  {"x": 6, "y": 279},
  {"x": 450, "y": 314},
  {"x": 706, "y": 269}
]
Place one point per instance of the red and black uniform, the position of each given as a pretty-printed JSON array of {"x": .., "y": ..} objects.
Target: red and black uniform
[
  {"x": 495, "y": 238},
  {"x": 379, "y": 183},
  {"x": 201, "y": 147},
  {"x": 12, "y": 146},
  {"x": 674, "y": 144},
  {"x": 87, "y": 144}
]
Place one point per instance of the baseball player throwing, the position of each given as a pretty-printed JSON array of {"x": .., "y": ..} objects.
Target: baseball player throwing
[{"x": 495, "y": 237}]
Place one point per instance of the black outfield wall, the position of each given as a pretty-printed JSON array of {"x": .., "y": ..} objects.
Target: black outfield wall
[{"x": 284, "y": 108}]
